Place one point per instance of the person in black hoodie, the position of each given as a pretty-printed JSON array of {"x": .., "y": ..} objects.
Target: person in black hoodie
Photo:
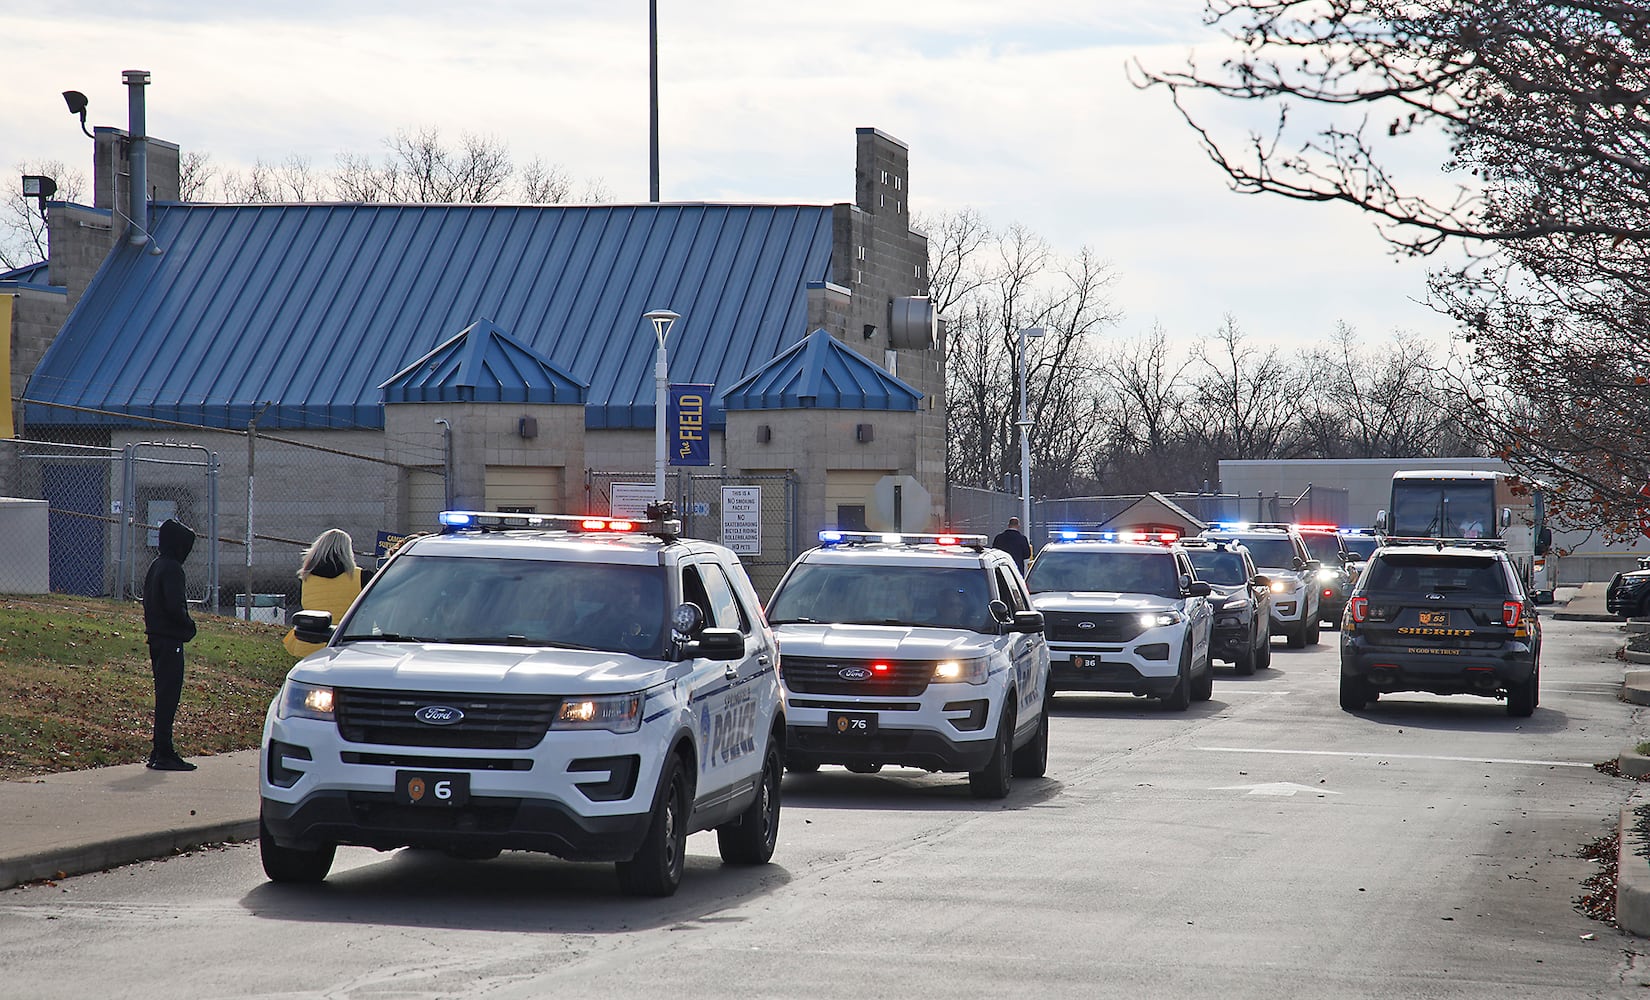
[{"x": 167, "y": 623}]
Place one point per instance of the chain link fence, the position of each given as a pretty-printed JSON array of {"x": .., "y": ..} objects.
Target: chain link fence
[{"x": 754, "y": 515}]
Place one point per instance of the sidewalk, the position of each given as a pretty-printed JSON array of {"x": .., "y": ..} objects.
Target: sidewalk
[{"x": 86, "y": 821}]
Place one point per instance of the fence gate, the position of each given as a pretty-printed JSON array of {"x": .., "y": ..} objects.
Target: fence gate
[{"x": 162, "y": 480}]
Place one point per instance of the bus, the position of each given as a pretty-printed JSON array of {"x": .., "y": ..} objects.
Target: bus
[{"x": 1459, "y": 504}]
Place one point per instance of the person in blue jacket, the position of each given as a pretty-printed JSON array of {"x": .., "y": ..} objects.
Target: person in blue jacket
[{"x": 168, "y": 626}]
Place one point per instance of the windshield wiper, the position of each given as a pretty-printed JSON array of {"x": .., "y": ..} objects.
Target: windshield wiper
[
  {"x": 381, "y": 637},
  {"x": 793, "y": 621}
]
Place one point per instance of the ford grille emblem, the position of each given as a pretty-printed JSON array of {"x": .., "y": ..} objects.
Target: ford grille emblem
[
  {"x": 1435, "y": 597},
  {"x": 1085, "y": 624},
  {"x": 854, "y": 674},
  {"x": 439, "y": 715}
]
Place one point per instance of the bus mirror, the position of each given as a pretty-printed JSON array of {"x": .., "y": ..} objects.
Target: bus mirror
[
  {"x": 1543, "y": 541},
  {"x": 1380, "y": 521},
  {"x": 1506, "y": 517}
]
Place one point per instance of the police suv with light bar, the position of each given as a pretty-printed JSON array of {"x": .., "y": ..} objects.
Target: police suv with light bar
[
  {"x": 914, "y": 650},
  {"x": 1282, "y": 556},
  {"x": 593, "y": 688},
  {"x": 1125, "y": 612}
]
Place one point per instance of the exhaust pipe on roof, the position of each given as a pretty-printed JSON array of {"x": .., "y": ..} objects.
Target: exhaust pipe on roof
[{"x": 138, "y": 155}]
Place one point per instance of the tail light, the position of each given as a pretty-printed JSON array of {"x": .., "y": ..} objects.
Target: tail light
[
  {"x": 1358, "y": 607},
  {"x": 1512, "y": 612}
]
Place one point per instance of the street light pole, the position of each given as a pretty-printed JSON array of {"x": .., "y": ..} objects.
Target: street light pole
[
  {"x": 662, "y": 320},
  {"x": 1025, "y": 431}
]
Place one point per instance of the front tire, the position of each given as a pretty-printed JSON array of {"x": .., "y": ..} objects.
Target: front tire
[
  {"x": 1244, "y": 665},
  {"x": 1295, "y": 636},
  {"x": 656, "y": 870},
  {"x": 293, "y": 864},
  {"x": 992, "y": 781},
  {"x": 1180, "y": 699},
  {"x": 1203, "y": 687},
  {"x": 1031, "y": 760},
  {"x": 751, "y": 838},
  {"x": 1265, "y": 650},
  {"x": 1313, "y": 632}
]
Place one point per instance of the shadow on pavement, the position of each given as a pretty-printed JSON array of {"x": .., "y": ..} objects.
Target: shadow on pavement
[
  {"x": 517, "y": 891},
  {"x": 1459, "y": 714},
  {"x": 910, "y": 789}
]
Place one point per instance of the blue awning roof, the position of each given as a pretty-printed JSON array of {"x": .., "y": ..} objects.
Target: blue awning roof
[
  {"x": 312, "y": 307},
  {"x": 820, "y": 372},
  {"x": 483, "y": 364}
]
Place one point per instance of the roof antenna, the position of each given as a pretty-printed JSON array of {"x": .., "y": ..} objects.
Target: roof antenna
[{"x": 77, "y": 106}]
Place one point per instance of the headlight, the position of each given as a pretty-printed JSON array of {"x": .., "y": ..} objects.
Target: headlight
[
  {"x": 618, "y": 713},
  {"x": 1157, "y": 619},
  {"x": 1284, "y": 584},
  {"x": 304, "y": 701},
  {"x": 1326, "y": 575},
  {"x": 962, "y": 671}
]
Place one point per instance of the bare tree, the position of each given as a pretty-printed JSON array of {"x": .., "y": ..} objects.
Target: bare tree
[
  {"x": 196, "y": 174},
  {"x": 1374, "y": 401},
  {"x": 1251, "y": 399},
  {"x": 23, "y": 219},
  {"x": 291, "y": 180}
]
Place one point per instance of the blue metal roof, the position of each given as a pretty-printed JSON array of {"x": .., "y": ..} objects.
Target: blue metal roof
[
  {"x": 35, "y": 277},
  {"x": 312, "y": 307},
  {"x": 483, "y": 364},
  {"x": 820, "y": 372}
]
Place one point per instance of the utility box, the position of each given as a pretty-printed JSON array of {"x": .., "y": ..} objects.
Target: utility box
[
  {"x": 25, "y": 559},
  {"x": 264, "y": 608}
]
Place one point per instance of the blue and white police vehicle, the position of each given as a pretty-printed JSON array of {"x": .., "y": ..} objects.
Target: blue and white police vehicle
[
  {"x": 592, "y": 688},
  {"x": 1125, "y": 612},
  {"x": 912, "y": 650}
]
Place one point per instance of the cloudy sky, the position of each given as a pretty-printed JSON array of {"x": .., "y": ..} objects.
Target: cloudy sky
[{"x": 1023, "y": 112}]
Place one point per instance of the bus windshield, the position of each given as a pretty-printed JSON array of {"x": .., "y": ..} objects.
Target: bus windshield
[{"x": 1443, "y": 510}]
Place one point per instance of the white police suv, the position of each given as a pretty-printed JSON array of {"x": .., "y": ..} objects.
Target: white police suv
[
  {"x": 1282, "y": 556},
  {"x": 592, "y": 688},
  {"x": 1124, "y": 611},
  {"x": 915, "y": 650}
]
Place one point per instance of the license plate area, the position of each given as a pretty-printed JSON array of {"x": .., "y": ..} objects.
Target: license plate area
[
  {"x": 1086, "y": 661},
  {"x": 1433, "y": 619},
  {"x": 435, "y": 789},
  {"x": 852, "y": 725}
]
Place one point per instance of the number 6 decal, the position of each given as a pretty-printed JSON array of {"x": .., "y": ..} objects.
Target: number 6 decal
[{"x": 443, "y": 790}]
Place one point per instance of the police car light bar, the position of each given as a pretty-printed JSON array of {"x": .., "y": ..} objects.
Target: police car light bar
[
  {"x": 1158, "y": 537},
  {"x": 832, "y": 537},
  {"x": 477, "y": 520}
]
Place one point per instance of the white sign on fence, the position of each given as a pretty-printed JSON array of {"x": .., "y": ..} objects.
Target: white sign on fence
[
  {"x": 630, "y": 500},
  {"x": 742, "y": 519}
]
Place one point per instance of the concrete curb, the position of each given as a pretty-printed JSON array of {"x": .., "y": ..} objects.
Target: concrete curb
[
  {"x": 1634, "y": 656},
  {"x": 1582, "y": 616},
  {"x": 117, "y": 851},
  {"x": 1633, "y": 764},
  {"x": 1635, "y": 687},
  {"x": 1632, "y": 876}
]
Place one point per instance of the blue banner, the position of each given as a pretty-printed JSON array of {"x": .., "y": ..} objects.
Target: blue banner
[{"x": 687, "y": 443}]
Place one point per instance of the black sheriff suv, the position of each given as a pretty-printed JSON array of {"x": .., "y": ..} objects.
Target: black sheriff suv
[{"x": 1446, "y": 617}]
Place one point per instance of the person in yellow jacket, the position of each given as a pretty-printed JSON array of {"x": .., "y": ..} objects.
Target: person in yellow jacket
[{"x": 331, "y": 582}]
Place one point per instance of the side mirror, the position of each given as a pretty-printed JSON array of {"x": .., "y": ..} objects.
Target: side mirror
[
  {"x": 1000, "y": 613},
  {"x": 1544, "y": 541},
  {"x": 1313, "y": 565},
  {"x": 313, "y": 626},
  {"x": 1380, "y": 520},
  {"x": 716, "y": 644},
  {"x": 1297, "y": 563},
  {"x": 1261, "y": 580},
  {"x": 1026, "y": 621},
  {"x": 1199, "y": 588},
  {"x": 1506, "y": 517}
]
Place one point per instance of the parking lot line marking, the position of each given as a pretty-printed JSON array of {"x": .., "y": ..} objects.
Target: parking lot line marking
[{"x": 1401, "y": 756}]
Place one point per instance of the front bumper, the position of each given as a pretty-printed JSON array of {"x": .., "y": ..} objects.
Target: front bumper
[
  {"x": 924, "y": 748},
  {"x": 946, "y": 727},
  {"x": 1466, "y": 671},
  {"x": 548, "y": 798},
  {"x": 1112, "y": 676},
  {"x": 1148, "y": 664}
]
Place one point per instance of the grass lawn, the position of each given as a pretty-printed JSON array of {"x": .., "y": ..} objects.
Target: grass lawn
[{"x": 76, "y": 692}]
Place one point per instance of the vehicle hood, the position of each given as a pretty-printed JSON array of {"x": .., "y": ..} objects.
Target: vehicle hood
[
  {"x": 1637, "y": 577},
  {"x": 414, "y": 666},
  {"x": 904, "y": 642},
  {"x": 1092, "y": 601}
]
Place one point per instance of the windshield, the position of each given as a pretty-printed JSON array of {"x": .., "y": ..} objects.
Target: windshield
[
  {"x": 1324, "y": 548},
  {"x": 1443, "y": 510},
  {"x": 1272, "y": 553},
  {"x": 528, "y": 602},
  {"x": 1215, "y": 566},
  {"x": 865, "y": 594},
  {"x": 1361, "y": 546},
  {"x": 1104, "y": 572}
]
